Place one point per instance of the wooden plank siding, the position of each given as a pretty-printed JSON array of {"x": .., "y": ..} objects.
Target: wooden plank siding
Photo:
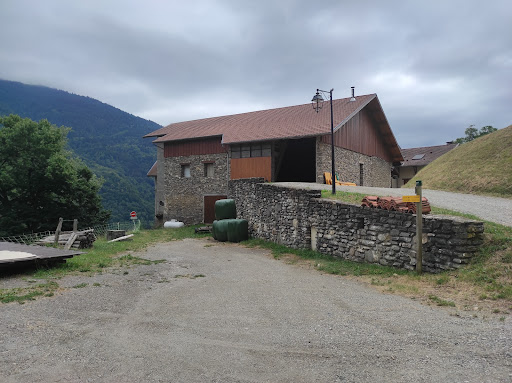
[
  {"x": 360, "y": 134},
  {"x": 193, "y": 147},
  {"x": 251, "y": 167}
]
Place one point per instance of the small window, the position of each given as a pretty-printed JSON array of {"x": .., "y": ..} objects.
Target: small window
[
  {"x": 235, "y": 151},
  {"x": 418, "y": 156},
  {"x": 256, "y": 150},
  {"x": 246, "y": 151},
  {"x": 208, "y": 169},
  {"x": 185, "y": 170},
  {"x": 266, "y": 150}
]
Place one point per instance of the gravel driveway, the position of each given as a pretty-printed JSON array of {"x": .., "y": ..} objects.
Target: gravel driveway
[
  {"x": 218, "y": 312},
  {"x": 492, "y": 209}
]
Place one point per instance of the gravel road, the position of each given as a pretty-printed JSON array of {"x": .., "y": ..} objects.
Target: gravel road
[
  {"x": 492, "y": 209},
  {"x": 216, "y": 312}
]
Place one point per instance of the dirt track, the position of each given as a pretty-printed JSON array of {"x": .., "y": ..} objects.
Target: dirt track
[{"x": 224, "y": 313}]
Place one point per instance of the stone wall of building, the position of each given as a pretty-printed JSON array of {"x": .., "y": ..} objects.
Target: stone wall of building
[
  {"x": 159, "y": 186},
  {"x": 376, "y": 171},
  {"x": 301, "y": 219},
  {"x": 184, "y": 196}
]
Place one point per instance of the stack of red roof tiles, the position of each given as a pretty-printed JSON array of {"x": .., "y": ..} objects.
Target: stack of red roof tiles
[{"x": 395, "y": 204}]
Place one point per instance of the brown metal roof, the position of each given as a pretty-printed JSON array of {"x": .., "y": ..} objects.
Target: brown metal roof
[
  {"x": 281, "y": 123},
  {"x": 152, "y": 171},
  {"x": 425, "y": 154},
  {"x": 289, "y": 122}
]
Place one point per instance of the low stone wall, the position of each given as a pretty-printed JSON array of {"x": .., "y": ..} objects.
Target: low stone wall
[{"x": 301, "y": 219}]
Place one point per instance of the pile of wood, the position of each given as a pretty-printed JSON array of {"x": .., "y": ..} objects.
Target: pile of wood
[
  {"x": 71, "y": 239},
  {"x": 394, "y": 204}
]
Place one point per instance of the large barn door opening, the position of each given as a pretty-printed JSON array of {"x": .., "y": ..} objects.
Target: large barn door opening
[{"x": 296, "y": 161}]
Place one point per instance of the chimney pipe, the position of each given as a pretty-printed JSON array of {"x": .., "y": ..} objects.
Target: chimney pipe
[{"x": 353, "y": 97}]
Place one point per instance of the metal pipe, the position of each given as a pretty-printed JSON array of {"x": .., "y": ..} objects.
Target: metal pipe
[{"x": 333, "y": 168}]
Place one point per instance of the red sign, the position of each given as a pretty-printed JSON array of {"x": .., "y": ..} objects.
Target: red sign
[{"x": 133, "y": 214}]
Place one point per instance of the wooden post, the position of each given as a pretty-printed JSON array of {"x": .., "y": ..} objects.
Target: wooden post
[
  {"x": 419, "y": 229},
  {"x": 57, "y": 232},
  {"x": 75, "y": 224}
]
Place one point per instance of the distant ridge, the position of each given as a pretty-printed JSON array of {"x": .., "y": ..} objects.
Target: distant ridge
[
  {"x": 107, "y": 139},
  {"x": 482, "y": 166}
]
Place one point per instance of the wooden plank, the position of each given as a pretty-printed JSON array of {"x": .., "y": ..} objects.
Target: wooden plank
[
  {"x": 59, "y": 228},
  {"x": 251, "y": 167},
  {"x": 70, "y": 241},
  {"x": 193, "y": 147},
  {"x": 41, "y": 252},
  {"x": 122, "y": 238}
]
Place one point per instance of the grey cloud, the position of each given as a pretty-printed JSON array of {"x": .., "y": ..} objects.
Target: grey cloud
[{"x": 436, "y": 66}]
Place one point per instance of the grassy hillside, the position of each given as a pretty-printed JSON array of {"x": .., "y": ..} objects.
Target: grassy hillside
[
  {"x": 482, "y": 166},
  {"x": 107, "y": 139}
]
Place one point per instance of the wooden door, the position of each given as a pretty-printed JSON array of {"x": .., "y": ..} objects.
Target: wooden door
[{"x": 209, "y": 207}]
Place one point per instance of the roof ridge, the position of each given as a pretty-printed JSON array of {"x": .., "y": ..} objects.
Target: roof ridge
[
  {"x": 263, "y": 110},
  {"x": 433, "y": 146}
]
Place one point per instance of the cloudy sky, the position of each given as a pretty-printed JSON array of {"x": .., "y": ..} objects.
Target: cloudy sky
[{"x": 437, "y": 66}]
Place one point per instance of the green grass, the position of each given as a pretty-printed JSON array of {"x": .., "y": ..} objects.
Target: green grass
[
  {"x": 326, "y": 263},
  {"x": 104, "y": 254},
  {"x": 441, "y": 302},
  {"x": 349, "y": 197},
  {"x": 490, "y": 270},
  {"x": 95, "y": 260},
  {"x": 21, "y": 295},
  {"x": 488, "y": 156}
]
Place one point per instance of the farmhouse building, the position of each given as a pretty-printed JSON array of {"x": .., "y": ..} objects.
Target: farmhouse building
[
  {"x": 196, "y": 159},
  {"x": 416, "y": 159}
]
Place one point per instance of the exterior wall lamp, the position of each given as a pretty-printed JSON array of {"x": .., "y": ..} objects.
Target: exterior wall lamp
[{"x": 317, "y": 102}]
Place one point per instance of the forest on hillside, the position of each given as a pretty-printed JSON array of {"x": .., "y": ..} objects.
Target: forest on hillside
[{"x": 108, "y": 140}]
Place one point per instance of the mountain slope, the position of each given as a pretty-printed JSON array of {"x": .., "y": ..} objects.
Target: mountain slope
[
  {"x": 482, "y": 166},
  {"x": 107, "y": 139}
]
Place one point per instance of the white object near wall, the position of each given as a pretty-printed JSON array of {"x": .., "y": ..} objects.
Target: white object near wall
[{"x": 173, "y": 224}]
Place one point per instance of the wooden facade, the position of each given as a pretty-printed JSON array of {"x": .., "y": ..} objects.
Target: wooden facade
[
  {"x": 193, "y": 147},
  {"x": 251, "y": 167},
  {"x": 361, "y": 134}
]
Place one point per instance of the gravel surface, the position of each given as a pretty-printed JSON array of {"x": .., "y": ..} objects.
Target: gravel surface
[
  {"x": 492, "y": 209},
  {"x": 218, "y": 312}
]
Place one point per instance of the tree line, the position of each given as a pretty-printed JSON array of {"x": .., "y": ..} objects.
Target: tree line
[{"x": 40, "y": 180}]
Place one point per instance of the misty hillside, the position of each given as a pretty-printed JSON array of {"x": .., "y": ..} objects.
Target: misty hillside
[
  {"x": 482, "y": 166},
  {"x": 107, "y": 139}
]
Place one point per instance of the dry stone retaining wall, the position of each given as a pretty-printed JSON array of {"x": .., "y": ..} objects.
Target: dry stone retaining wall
[{"x": 302, "y": 219}]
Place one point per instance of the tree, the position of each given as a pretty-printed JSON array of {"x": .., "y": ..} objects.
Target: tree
[
  {"x": 40, "y": 181},
  {"x": 472, "y": 133}
]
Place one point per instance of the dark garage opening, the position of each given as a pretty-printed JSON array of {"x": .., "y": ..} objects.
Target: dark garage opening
[{"x": 297, "y": 161}]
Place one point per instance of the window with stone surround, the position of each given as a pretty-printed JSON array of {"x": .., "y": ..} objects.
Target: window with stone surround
[
  {"x": 208, "y": 169},
  {"x": 185, "y": 170}
]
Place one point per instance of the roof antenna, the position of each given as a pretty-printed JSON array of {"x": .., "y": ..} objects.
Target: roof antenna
[{"x": 353, "y": 97}]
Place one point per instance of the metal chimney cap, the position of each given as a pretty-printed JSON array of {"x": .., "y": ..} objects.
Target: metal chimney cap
[{"x": 353, "y": 97}]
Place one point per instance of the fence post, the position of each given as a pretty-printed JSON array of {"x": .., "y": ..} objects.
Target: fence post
[
  {"x": 57, "y": 232},
  {"x": 419, "y": 229}
]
